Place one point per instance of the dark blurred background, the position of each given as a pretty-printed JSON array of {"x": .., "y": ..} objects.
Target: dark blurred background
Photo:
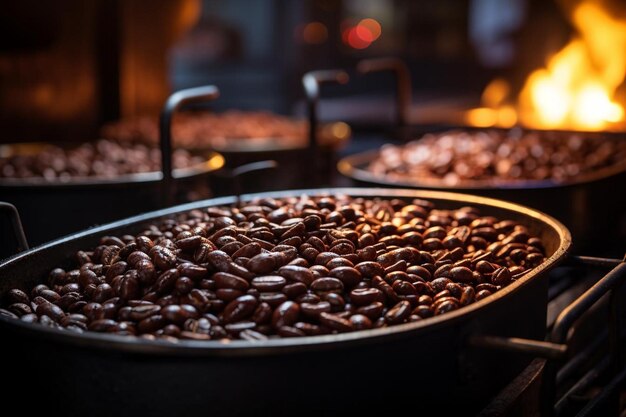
[{"x": 67, "y": 67}]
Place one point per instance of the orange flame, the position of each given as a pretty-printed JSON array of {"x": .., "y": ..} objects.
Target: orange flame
[{"x": 577, "y": 89}]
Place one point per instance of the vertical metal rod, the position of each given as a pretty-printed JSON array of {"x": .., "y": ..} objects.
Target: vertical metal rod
[
  {"x": 570, "y": 315},
  {"x": 16, "y": 224},
  {"x": 402, "y": 77},
  {"x": 173, "y": 103},
  {"x": 312, "y": 82}
]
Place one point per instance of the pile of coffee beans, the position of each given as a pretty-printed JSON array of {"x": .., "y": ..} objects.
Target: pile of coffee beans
[
  {"x": 102, "y": 159},
  {"x": 497, "y": 157},
  {"x": 199, "y": 129},
  {"x": 288, "y": 267}
]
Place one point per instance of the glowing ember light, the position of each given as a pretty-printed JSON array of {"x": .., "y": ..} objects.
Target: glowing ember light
[
  {"x": 355, "y": 41},
  {"x": 577, "y": 89},
  {"x": 362, "y": 35},
  {"x": 315, "y": 33},
  {"x": 481, "y": 117},
  {"x": 373, "y": 27}
]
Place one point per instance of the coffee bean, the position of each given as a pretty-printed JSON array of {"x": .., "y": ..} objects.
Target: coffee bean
[
  {"x": 398, "y": 313},
  {"x": 269, "y": 283},
  {"x": 240, "y": 308},
  {"x": 17, "y": 296},
  {"x": 314, "y": 309},
  {"x": 327, "y": 284},
  {"x": 284, "y": 267},
  {"x": 336, "y": 323},
  {"x": 285, "y": 314}
]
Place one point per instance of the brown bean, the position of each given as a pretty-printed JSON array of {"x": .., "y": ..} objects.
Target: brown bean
[
  {"x": 366, "y": 296},
  {"x": 336, "y": 323},
  {"x": 240, "y": 308},
  {"x": 285, "y": 314},
  {"x": 269, "y": 283},
  {"x": 314, "y": 310},
  {"x": 360, "y": 322},
  {"x": 398, "y": 313},
  {"x": 226, "y": 280},
  {"x": 327, "y": 284}
]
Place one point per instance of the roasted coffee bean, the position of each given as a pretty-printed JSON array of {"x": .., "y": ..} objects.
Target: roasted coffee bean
[
  {"x": 314, "y": 310},
  {"x": 370, "y": 269},
  {"x": 308, "y": 297},
  {"x": 226, "y": 280},
  {"x": 20, "y": 309},
  {"x": 398, "y": 313},
  {"x": 347, "y": 275},
  {"x": 326, "y": 284},
  {"x": 178, "y": 314},
  {"x": 360, "y": 322},
  {"x": 166, "y": 282},
  {"x": 251, "y": 335},
  {"x": 439, "y": 284},
  {"x": 228, "y": 294},
  {"x": 373, "y": 310},
  {"x": 51, "y": 310},
  {"x": 482, "y": 294},
  {"x": 93, "y": 311},
  {"x": 151, "y": 324},
  {"x": 386, "y": 289},
  {"x": 501, "y": 276},
  {"x": 336, "y": 323},
  {"x": 265, "y": 263},
  {"x": 274, "y": 299},
  {"x": 460, "y": 274},
  {"x": 285, "y": 267},
  {"x": 28, "y": 318},
  {"x": 423, "y": 311},
  {"x": 467, "y": 296},
  {"x": 294, "y": 290},
  {"x": 103, "y": 292},
  {"x": 103, "y": 325},
  {"x": 269, "y": 283},
  {"x": 297, "y": 273},
  {"x": 262, "y": 314},
  {"x": 195, "y": 272},
  {"x": 17, "y": 296},
  {"x": 285, "y": 314},
  {"x": 239, "y": 308},
  {"x": 336, "y": 301},
  {"x": 420, "y": 271},
  {"x": 365, "y": 296},
  {"x": 403, "y": 288}
]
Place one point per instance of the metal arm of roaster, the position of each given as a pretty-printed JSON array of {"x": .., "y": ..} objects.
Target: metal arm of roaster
[
  {"x": 312, "y": 82},
  {"x": 18, "y": 231},
  {"x": 555, "y": 349},
  {"x": 175, "y": 102},
  {"x": 402, "y": 78}
]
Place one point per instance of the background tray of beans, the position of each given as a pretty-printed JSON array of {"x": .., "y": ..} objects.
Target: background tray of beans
[{"x": 569, "y": 175}]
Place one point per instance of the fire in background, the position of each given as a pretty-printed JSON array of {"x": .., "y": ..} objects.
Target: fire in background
[{"x": 581, "y": 86}]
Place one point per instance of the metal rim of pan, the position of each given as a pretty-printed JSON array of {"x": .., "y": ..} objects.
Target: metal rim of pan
[{"x": 212, "y": 161}]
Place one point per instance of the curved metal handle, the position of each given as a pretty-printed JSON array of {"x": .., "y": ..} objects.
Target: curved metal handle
[
  {"x": 173, "y": 103},
  {"x": 16, "y": 223},
  {"x": 237, "y": 173},
  {"x": 312, "y": 82},
  {"x": 403, "y": 83},
  {"x": 556, "y": 348}
]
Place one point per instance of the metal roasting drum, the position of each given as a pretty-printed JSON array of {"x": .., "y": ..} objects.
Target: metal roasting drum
[{"x": 144, "y": 376}]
